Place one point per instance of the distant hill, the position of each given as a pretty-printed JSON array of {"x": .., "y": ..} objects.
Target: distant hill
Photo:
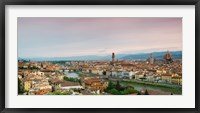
[
  {"x": 157, "y": 55},
  {"x": 139, "y": 56}
]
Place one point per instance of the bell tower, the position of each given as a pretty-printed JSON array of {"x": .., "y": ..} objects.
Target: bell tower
[{"x": 113, "y": 57}]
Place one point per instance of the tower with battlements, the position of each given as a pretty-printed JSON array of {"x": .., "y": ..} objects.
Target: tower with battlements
[
  {"x": 151, "y": 59},
  {"x": 113, "y": 57}
]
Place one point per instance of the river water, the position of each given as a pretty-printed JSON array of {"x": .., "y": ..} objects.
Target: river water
[
  {"x": 71, "y": 74},
  {"x": 138, "y": 87},
  {"x": 166, "y": 90}
]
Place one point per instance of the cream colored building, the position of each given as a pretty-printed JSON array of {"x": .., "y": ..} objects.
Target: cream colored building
[
  {"x": 27, "y": 85},
  {"x": 177, "y": 80},
  {"x": 166, "y": 78}
]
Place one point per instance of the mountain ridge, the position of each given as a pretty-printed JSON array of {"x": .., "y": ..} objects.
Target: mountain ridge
[{"x": 138, "y": 56}]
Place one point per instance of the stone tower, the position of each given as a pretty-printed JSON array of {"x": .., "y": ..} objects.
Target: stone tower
[
  {"x": 113, "y": 57},
  {"x": 151, "y": 59}
]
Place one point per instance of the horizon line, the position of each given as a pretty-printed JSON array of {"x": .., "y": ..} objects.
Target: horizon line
[{"x": 99, "y": 55}]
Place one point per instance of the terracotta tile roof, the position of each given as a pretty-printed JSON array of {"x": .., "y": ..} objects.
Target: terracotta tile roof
[
  {"x": 166, "y": 75},
  {"x": 55, "y": 81},
  {"x": 42, "y": 92},
  {"x": 68, "y": 83},
  {"x": 176, "y": 77}
]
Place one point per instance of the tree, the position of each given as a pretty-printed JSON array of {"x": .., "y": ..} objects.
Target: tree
[
  {"x": 110, "y": 86},
  {"x": 104, "y": 72},
  {"x": 79, "y": 81},
  {"x": 130, "y": 90},
  {"x": 114, "y": 92},
  {"x": 146, "y": 92},
  {"x": 71, "y": 79},
  {"x": 139, "y": 93},
  {"x": 118, "y": 87},
  {"x": 20, "y": 87},
  {"x": 127, "y": 90},
  {"x": 142, "y": 78},
  {"x": 60, "y": 93}
]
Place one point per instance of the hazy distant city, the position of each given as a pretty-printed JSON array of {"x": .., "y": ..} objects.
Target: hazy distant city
[{"x": 99, "y": 56}]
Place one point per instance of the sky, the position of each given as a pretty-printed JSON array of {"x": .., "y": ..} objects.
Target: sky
[{"x": 79, "y": 36}]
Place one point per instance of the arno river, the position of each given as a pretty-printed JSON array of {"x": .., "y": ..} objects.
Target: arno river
[
  {"x": 168, "y": 89},
  {"x": 71, "y": 74}
]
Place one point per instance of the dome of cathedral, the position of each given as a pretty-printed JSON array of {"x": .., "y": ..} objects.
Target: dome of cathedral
[{"x": 168, "y": 56}]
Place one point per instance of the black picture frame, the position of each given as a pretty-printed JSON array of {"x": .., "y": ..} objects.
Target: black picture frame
[{"x": 99, "y": 2}]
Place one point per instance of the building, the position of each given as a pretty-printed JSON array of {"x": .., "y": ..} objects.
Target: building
[
  {"x": 44, "y": 87},
  {"x": 166, "y": 78},
  {"x": 43, "y": 92},
  {"x": 151, "y": 59},
  {"x": 108, "y": 73},
  {"x": 159, "y": 72},
  {"x": 67, "y": 85},
  {"x": 95, "y": 84},
  {"x": 168, "y": 58},
  {"x": 97, "y": 71},
  {"x": 139, "y": 75},
  {"x": 113, "y": 57},
  {"x": 114, "y": 73},
  {"x": 128, "y": 74},
  {"x": 27, "y": 82},
  {"x": 177, "y": 80},
  {"x": 56, "y": 84},
  {"x": 27, "y": 85},
  {"x": 37, "y": 73},
  {"x": 150, "y": 77},
  {"x": 59, "y": 76}
]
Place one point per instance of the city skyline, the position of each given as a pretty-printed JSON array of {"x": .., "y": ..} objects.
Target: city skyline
[{"x": 65, "y": 37}]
